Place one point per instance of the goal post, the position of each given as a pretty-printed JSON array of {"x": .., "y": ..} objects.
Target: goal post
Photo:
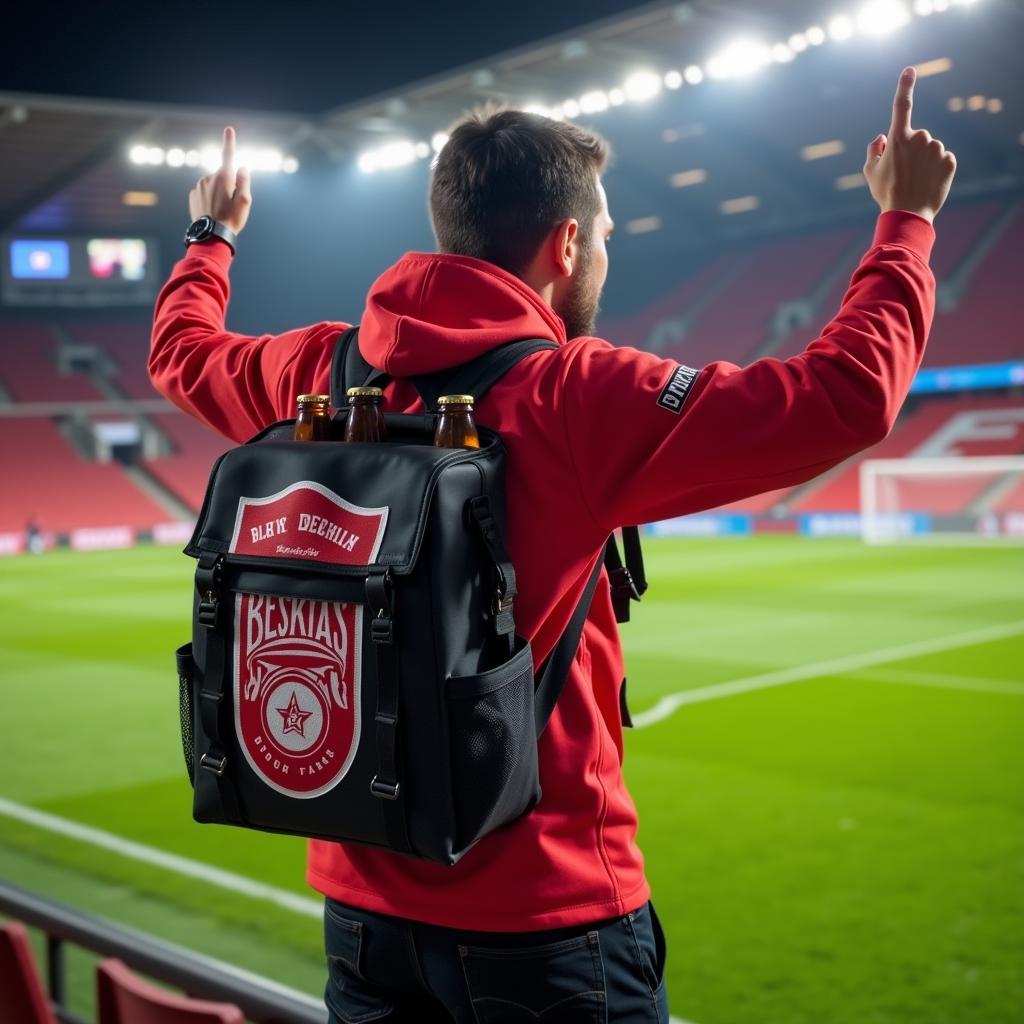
[{"x": 959, "y": 500}]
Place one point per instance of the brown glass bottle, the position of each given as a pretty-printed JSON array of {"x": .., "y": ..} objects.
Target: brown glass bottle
[
  {"x": 455, "y": 427},
  {"x": 313, "y": 420},
  {"x": 365, "y": 415}
]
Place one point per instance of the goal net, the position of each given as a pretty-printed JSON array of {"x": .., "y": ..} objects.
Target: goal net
[{"x": 971, "y": 498}]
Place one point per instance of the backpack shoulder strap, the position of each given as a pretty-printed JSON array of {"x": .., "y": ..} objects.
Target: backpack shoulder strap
[
  {"x": 478, "y": 375},
  {"x": 349, "y": 369}
]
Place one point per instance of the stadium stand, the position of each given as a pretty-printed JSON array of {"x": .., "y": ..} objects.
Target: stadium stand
[
  {"x": 919, "y": 433},
  {"x": 735, "y": 325},
  {"x": 59, "y": 490},
  {"x": 733, "y": 320},
  {"x": 127, "y": 344},
  {"x": 29, "y": 370},
  {"x": 185, "y": 472},
  {"x": 985, "y": 325}
]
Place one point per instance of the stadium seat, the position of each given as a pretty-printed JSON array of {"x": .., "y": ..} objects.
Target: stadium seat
[
  {"x": 124, "y": 998},
  {"x": 22, "y": 997}
]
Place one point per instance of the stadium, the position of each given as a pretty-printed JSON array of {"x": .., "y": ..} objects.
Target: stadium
[{"x": 826, "y": 680}]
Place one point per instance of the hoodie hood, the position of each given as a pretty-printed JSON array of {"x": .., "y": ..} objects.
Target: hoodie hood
[{"x": 431, "y": 311}]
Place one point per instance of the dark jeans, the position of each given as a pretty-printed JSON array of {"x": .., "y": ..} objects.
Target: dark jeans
[{"x": 384, "y": 968}]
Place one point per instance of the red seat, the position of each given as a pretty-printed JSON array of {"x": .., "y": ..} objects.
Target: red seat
[
  {"x": 124, "y": 998},
  {"x": 22, "y": 998}
]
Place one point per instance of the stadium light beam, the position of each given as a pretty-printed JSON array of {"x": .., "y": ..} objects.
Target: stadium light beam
[
  {"x": 594, "y": 102},
  {"x": 880, "y": 17},
  {"x": 841, "y": 28},
  {"x": 642, "y": 85},
  {"x": 739, "y": 59}
]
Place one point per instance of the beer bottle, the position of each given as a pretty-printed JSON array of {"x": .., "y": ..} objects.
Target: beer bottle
[
  {"x": 455, "y": 427},
  {"x": 313, "y": 421},
  {"x": 365, "y": 415}
]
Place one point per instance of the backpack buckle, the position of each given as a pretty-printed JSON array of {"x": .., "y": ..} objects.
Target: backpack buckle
[
  {"x": 208, "y": 605},
  {"x": 214, "y": 765},
  {"x": 208, "y": 584},
  {"x": 623, "y": 583},
  {"x": 382, "y": 628},
  {"x": 384, "y": 790}
]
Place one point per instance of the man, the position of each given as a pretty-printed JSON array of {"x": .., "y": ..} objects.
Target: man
[{"x": 550, "y": 918}]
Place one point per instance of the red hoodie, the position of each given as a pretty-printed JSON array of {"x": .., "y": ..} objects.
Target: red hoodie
[{"x": 598, "y": 437}]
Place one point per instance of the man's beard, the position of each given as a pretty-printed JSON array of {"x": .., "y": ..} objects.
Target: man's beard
[{"x": 581, "y": 304}]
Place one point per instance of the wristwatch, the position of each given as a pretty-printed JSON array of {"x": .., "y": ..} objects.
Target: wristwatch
[{"x": 206, "y": 227}]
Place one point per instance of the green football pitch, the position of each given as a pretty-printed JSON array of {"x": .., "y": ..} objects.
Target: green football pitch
[{"x": 828, "y": 764}]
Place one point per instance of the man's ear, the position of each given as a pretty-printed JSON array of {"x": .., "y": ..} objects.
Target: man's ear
[{"x": 566, "y": 244}]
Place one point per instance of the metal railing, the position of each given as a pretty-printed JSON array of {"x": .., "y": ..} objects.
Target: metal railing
[{"x": 261, "y": 1000}]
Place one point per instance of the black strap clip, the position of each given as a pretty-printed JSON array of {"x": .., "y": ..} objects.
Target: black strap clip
[
  {"x": 378, "y": 595},
  {"x": 384, "y": 790},
  {"x": 624, "y": 590},
  {"x": 208, "y": 575},
  {"x": 215, "y": 765}
]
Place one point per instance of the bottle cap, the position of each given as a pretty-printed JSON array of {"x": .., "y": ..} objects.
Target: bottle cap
[
  {"x": 365, "y": 393},
  {"x": 308, "y": 399},
  {"x": 455, "y": 400}
]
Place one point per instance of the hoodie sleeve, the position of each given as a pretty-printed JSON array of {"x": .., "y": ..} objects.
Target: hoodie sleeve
[
  {"x": 234, "y": 383},
  {"x": 651, "y": 439}
]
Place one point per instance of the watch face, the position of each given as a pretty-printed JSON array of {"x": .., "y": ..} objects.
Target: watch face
[{"x": 199, "y": 229}]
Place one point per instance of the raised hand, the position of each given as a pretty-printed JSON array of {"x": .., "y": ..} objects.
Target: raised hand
[
  {"x": 908, "y": 170},
  {"x": 225, "y": 195}
]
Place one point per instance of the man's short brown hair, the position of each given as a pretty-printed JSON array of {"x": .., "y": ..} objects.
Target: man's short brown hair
[{"x": 506, "y": 177}]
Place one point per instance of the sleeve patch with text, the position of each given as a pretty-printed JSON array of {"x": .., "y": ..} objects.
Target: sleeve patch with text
[{"x": 674, "y": 393}]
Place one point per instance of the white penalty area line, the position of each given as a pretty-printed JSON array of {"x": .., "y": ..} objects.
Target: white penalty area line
[
  {"x": 668, "y": 705},
  {"x": 161, "y": 859}
]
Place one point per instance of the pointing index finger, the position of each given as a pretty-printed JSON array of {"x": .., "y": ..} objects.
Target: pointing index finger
[
  {"x": 903, "y": 103},
  {"x": 227, "y": 161}
]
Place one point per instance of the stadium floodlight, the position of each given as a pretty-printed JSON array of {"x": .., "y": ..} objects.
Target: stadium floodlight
[
  {"x": 594, "y": 102},
  {"x": 209, "y": 157},
  {"x": 571, "y": 108},
  {"x": 923, "y": 8},
  {"x": 815, "y": 35},
  {"x": 673, "y": 79},
  {"x": 394, "y": 154},
  {"x": 693, "y": 74},
  {"x": 155, "y": 156},
  {"x": 139, "y": 154},
  {"x": 879, "y": 17},
  {"x": 743, "y": 57},
  {"x": 175, "y": 157},
  {"x": 840, "y": 28},
  {"x": 616, "y": 97},
  {"x": 440, "y": 139},
  {"x": 798, "y": 42},
  {"x": 960, "y": 499},
  {"x": 782, "y": 53},
  {"x": 289, "y": 165},
  {"x": 192, "y": 158},
  {"x": 642, "y": 85}
]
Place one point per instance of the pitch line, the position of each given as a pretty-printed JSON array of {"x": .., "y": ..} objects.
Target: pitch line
[
  {"x": 161, "y": 859},
  {"x": 943, "y": 681},
  {"x": 836, "y": 666}
]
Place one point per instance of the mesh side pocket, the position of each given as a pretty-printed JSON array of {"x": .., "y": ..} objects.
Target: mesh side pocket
[
  {"x": 183, "y": 656},
  {"x": 493, "y": 739}
]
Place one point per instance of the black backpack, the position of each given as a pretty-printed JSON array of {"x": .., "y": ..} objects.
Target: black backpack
[{"x": 354, "y": 673}]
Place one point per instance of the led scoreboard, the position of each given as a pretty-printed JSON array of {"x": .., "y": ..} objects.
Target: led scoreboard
[{"x": 78, "y": 271}]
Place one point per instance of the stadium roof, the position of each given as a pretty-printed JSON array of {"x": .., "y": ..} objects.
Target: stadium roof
[{"x": 697, "y": 153}]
